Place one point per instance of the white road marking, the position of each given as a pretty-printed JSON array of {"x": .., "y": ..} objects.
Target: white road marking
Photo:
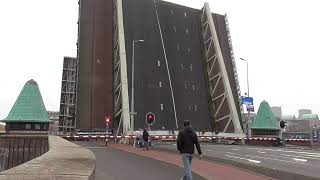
[
  {"x": 250, "y": 160},
  {"x": 276, "y": 159},
  {"x": 300, "y": 160},
  {"x": 280, "y": 150},
  {"x": 229, "y": 152},
  {"x": 297, "y": 156},
  {"x": 254, "y": 161},
  {"x": 262, "y": 152},
  {"x": 234, "y": 149}
]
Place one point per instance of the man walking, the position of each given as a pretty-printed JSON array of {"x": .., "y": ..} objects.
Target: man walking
[
  {"x": 187, "y": 138},
  {"x": 145, "y": 136}
]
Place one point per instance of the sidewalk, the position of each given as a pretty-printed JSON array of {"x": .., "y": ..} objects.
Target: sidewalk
[{"x": 208, "y": 170}]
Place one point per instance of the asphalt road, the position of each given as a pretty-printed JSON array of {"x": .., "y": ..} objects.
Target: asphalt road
[
  {"x": 114, "y": 164},
  {"x": 298, "y": 161}
]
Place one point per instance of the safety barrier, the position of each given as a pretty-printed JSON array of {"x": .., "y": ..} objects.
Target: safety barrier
[
  {"x": 248, "y": 140},
  {"x": 166, "y": 137}
]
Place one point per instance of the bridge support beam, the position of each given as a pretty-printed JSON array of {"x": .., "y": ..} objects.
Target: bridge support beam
[
  {"x": 223, "y": 110},
  {"x": 121, "y": 97}
]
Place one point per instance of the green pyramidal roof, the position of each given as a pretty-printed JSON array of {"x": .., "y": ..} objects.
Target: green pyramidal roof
[
  {"x": 265, "y": 118},
  {"x": 29, "y": 106}
]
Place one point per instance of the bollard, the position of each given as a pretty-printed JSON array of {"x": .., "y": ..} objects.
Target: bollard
[
  {"x": 106, "y": 142},
  {"x": 134, "y": 143}
]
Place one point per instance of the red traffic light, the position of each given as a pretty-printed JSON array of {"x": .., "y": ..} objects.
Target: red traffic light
[
  {"x": 150, "y": 118},
  {"x": 108, "y": 119}
]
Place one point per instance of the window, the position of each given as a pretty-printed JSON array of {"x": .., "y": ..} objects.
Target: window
[
  {"x": 28, "y": 126},
  {"x": 37, "y": 126}
]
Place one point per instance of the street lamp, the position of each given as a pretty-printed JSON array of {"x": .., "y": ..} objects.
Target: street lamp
[
  {"x": 247, "y": 74},
  {"x": 247, "y": 125},
  {"x": 132, "y": 85}
]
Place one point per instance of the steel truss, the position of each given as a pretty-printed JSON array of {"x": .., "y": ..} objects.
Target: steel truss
[
  {"x": 68, "y": 95},
  {"x": 222, "y": 105},
  {"x": 234, "y": 64},
  {"x": 121, "y": 97}
]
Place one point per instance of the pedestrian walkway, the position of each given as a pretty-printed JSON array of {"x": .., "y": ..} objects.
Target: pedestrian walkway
[{"x": 206, "y": 169}]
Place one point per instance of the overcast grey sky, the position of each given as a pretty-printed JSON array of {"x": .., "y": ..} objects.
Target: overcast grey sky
[{"x": 280, "y": 39}]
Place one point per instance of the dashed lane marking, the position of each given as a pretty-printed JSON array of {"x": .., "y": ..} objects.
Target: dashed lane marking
[
  {"x": 262, "y": 152},
  {"x": 280, "y": 150},
  {"x": 297, "y": 156},
  {"x": 277, "y": 160},
  {"x": 229, "y": 152},
  {"x": 300, "y": 160},
  {"x": 250, "y": 160}
]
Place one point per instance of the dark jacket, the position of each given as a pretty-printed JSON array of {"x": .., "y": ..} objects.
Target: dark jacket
[
  {"x": 187, "y": 138},
  {"x": 145, "y": 136}
]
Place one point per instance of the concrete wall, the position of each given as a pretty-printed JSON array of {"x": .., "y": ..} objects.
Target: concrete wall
[
  {"x": 17, "y": 149},
  {"x": 64, "y": 160}
]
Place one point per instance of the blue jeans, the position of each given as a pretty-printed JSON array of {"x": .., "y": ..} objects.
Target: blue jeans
[{"x": 187, "y": 159}]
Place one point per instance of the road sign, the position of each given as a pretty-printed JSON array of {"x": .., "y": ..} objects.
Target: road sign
[
  {"x": 250, "y": 108},
  {"x": 247, "y": 100}
]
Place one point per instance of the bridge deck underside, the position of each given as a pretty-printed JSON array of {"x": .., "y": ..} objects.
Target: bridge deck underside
[{"x": 184, "y": 52}]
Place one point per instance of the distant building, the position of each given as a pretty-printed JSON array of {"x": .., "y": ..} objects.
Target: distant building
[
  {"x": 54, "y": 117},
  {"x": 265, "y": 124},
  {"x": 248, "y": 122},
  {"x": 277, "y": 112},
  {"x": 304, "y": 111},
  {"x": 28, "y": 114},
  {"x": 288, "y": 117},
  {"x": 300, "y": 128}
]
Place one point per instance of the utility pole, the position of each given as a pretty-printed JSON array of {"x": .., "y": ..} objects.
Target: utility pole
[{"x": 248, "y": 94}]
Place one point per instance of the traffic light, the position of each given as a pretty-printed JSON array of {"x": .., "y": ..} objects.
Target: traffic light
[
  {"x": 282, "y": 124},
  {"x": 108, "y": 121},
  {"x": 150, "y": 118}
]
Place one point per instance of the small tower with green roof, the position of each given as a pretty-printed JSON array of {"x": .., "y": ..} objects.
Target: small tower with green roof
[
  {"x": 265, "y": 123},
  {"x": 28, "y": 114}
]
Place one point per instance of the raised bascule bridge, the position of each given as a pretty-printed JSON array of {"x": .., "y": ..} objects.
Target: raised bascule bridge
[{"x": 179, "y": 59}]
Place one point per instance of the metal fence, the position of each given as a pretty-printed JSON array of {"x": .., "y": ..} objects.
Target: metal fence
[{"x": 3, "y": 158}]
